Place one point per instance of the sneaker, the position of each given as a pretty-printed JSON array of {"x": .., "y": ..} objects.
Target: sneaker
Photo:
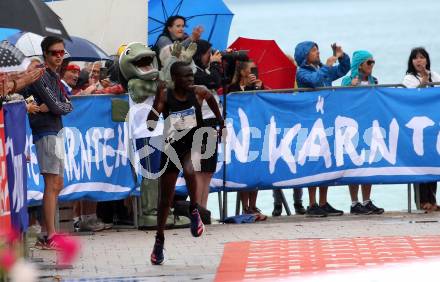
[
  {"x": 258, "y": 215},
  {"x": 107, "y": 226},
  {"x": 34, "y": 230},
  {"x": 41, "y": 242},
  {"x": 197, "y": 226},
  {"x": 277, "y": 210},
  {"x": 52, "y": 243},
  {"x": 374, "y": 210},
  {"x": 44, "y": 243},
  {"x": 92, "y": 224},
  {"x": 299, "y": 209},
  {"x": 315, "y": 211},
  {"x": 157, "y": 257},
  {"x": 360, "y": 209},
  {"x": 331, "y": 211},
  {"x": 76, "y": 226}
]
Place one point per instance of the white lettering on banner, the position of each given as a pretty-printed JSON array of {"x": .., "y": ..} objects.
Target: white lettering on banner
[
  {"x": 96, "y": 134},
  {"x": 17, "y": 196},
  {"x": 18, "y": 192},
  {"x": 32, "y": 163},
  {"x": 122, "y": 150},
  {"x": 320, "y": 105},
  {"x": 233, "y": 143},
  {"x": 345, "y": 130},
  {"x": 378, "y": 143},
  {"x": 310, "y": 146},
  {"x": 417, "y": 124},
  {"x": 86, "y": 157},
  {"x": 437, "y": 146},
  {"x": 71, "y": 152},
  {"x": 108, "y": 151},
  {"x": 84, "y": 149},
  {"x": 311, "y": 149},
  {"x": 284, "y": 150},
  {"x": 4, "y": 193}
]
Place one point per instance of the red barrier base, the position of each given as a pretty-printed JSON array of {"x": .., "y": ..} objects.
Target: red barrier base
[{"x": 272, "y": 259}]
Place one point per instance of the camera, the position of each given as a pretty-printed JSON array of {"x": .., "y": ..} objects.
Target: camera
[
  {"x": 229, "y": 59},
  {"x": 240, "y": 55}
]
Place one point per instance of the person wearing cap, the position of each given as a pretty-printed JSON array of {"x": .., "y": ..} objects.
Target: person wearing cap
[{"x": 70, "y": 77}]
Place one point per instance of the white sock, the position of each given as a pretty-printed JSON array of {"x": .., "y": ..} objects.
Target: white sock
[
  {"x": 75, "y": 219},
  {"x": 366, "y": 202},
  {"x": 354, "y": 203}
]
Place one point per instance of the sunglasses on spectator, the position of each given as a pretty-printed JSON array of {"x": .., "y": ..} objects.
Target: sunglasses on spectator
[
  {"x": 370, "y": 62},
  {"x": 56, "y": 53}
]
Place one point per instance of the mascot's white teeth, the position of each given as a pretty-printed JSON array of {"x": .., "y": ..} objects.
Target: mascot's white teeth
[{"x": 145, "y": 69}]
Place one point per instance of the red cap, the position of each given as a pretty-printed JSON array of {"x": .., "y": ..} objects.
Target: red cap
[{"x": 73, "y": 67}]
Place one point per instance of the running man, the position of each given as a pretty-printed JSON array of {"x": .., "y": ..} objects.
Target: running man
[{"x": 181, "y": 109}]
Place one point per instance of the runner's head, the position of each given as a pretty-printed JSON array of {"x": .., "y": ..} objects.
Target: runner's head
[{"x": 182, "y": 75}]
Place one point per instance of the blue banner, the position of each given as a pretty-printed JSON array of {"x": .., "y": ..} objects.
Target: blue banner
[
  {"x": 15, "y": 134},
  {"x": 332, "y": 137},
  {"x": 97, "y": 166}
]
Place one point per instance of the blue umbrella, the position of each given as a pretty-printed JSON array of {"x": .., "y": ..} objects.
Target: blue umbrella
[
  {"x": 5, "y": 32},
  {"x": 79, "y": 49},
  {"x": 213, "y": 15}
]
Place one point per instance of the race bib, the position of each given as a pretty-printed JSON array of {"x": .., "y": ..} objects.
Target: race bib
[{"x": 185, "y": 119}]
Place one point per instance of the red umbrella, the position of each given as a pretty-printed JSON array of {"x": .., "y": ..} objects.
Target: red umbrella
[{"x": 274, "y": 67}]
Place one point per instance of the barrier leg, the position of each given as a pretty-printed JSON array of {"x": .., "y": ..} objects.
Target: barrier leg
[
  {"x": 237, "y": 204},
  {"x": 285, "y": 204},
  {"x": 225, "y": 205},
  {"x": 57, "y": 218},
  {"x": 134, "y": 202},
  {"x": 409, "y": 197},
  {"x": 220, "y": 208},
  {"x": 417, "y": 195}
]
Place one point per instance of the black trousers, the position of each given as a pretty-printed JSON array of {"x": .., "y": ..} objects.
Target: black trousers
[{"x": 428, "y": 192}]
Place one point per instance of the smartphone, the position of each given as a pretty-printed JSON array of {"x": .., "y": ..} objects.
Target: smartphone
[
  {"x": 103, "y": 73},
  {"x": 40, "y": 66},
  {"x": 334, "y": 46},
  {"x": 254, "y": 71}
]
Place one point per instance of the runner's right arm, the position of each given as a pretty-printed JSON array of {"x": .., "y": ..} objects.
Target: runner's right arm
[{"x": 158, "y": 107}]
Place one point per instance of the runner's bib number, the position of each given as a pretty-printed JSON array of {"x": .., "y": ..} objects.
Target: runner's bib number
[{"x": 185, "y": 119}]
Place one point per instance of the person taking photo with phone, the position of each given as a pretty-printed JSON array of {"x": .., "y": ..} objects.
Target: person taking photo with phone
[
  {"x": 312, "y": 74},
  {"x": 245, "y": 77}
]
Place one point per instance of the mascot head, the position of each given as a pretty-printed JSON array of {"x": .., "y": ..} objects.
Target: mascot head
[{"x": 138, "y": 61}]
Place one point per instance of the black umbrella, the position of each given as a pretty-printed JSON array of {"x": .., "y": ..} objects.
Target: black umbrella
[{"x": 31, "y": 15}]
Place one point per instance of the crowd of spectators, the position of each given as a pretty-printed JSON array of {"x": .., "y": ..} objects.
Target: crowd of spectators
[{"x": 68, "y": 79}]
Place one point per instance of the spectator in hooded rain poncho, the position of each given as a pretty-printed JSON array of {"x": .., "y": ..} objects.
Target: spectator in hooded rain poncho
[{"x": 312, "y": 74}]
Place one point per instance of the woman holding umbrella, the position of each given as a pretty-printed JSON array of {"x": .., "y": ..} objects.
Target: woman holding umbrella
[{"x": 174, "y": 30}]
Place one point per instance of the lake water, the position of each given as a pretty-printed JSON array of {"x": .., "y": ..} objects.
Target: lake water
[{"x": 388, "y": 29}]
